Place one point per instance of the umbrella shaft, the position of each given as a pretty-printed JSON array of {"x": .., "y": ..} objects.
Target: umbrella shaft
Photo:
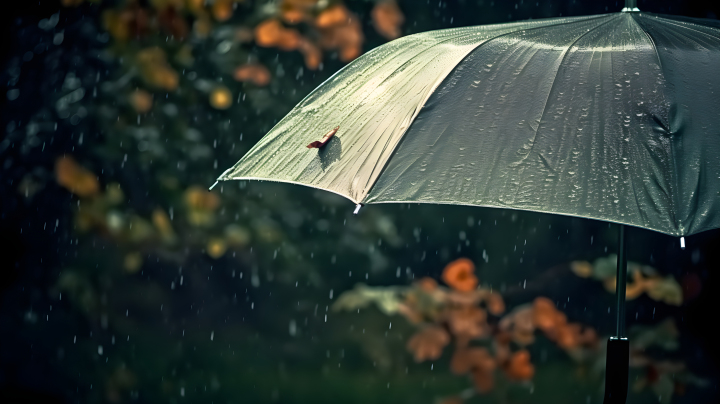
[{"x": 621, "y": 281}]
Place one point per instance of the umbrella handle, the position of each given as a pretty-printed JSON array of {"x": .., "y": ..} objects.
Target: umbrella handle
[
  {"x": 616, "y": 371},
  {"x": 618, "y": 347}
]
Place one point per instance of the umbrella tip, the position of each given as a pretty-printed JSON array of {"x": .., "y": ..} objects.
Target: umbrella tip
[
  {"x": 357, "y": 209},
  {"x": 212, "y": 186},
  {"x": 682, "y": 243}
]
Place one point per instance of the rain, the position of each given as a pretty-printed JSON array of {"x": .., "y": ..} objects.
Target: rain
[{"x": 287, "y": 201}]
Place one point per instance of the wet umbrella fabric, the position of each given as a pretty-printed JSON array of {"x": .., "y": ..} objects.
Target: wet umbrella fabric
[{"x": 611, "y": 117}]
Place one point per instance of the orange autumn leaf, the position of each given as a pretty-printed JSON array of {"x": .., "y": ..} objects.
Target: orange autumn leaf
[
  {"x": 568, "y": 336},
  {"x": 296, "y": 11},
  {"x": 311, "y": 53},
  {"x": 467, "y": 322},
  {"x": 428, "y": 343},
  {"x": 75, "y": 178},
  {"x": 341, "y": 30},
  {"x": 253, "y": 73},
  {"x": 324, "y": 140},
  {"x": 519, "y": 366},
  {"x": 546, "y": 316},
  {"x": 387, "y": 19},
  {"x": 519, "y": 324},
  {"x": 268, "y": 32},
  {"x": 289, "y": 40},
  {"x": 293, "y": 16},
  {"x": 350, "y": 52},
  {"x": 271, "y": 33},
  {"x": 495, "y": 304},
  {"x": 335, "y": 15},
  {"x": 460, "y": 276},
  {"x": 222, "y": 10}
]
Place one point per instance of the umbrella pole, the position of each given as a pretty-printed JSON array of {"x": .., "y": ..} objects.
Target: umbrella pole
[
  {"x": 621, "y": 283},
  {"x": 618, "y": 347}
]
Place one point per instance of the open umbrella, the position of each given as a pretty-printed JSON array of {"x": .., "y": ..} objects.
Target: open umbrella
[{"x": 612, "y": 117}]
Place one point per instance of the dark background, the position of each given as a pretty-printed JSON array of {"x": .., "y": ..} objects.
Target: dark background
[{"x": 30, "y": 259}]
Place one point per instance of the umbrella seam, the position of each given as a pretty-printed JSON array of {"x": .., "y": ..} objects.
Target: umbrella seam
[
  {"x": 419, "y": 105},
  {"x": 652, "y": 42},
  {"x": 674, "y": 186}
]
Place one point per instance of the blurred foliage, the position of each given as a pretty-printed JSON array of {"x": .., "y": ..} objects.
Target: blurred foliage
[
  {"x": 140, "y": 285},
  {"x": 487, "y": 341}
]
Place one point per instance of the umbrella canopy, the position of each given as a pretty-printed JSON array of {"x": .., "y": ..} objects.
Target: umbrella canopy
[{"x": 613, "y": 117}]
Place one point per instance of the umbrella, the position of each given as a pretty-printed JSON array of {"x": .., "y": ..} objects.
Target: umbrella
[{"x": 611, "y": 117}]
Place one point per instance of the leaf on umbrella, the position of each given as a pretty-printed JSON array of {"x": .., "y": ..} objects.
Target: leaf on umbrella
[{"x": 322, "y": 142}]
